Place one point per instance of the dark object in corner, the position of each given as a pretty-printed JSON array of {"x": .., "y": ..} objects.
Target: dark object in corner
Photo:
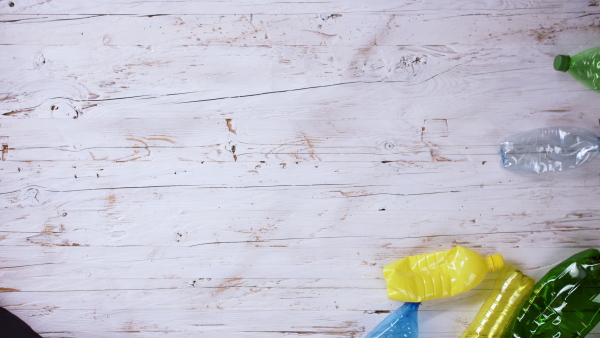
[{"x": 13, "y": 327}]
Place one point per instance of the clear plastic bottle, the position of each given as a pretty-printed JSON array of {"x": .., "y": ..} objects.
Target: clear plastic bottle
[
  {"x": 439, "y": 274},
  {"x": 510, "y": 291},
  {"x": 549, "y": 149},
  {"x": 584, "y": 67},
  {"x": 565, "y": 303},
  {"x": 401, "y": 323}
]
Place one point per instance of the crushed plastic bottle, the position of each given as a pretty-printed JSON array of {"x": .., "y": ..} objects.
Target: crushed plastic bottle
[
  {"x": 439, "y": 274},
  {"x": 549, "y": 149},
  {"x": 584, "y": 67},
  {"x": 565, "y": 302},
  {"x": 510, "y": 290},
  {"x": 401, "y": 323}
]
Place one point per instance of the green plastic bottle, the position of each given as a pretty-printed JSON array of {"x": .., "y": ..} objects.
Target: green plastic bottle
[
  {"x": 565, "y": 303},
  {"x": 584, "y": 67}
]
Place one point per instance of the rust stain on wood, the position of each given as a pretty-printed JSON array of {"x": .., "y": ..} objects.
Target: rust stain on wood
[
  {"x": 580, "y": 214},
  {"x": 137, "y": 140},
  {"x": 48, "y": 228},
  {"x": 352, "y": 193},
  {"x": 310, "y": 142},
  {"x": 228, "y": 283},
  {"x": 130, "y": 158},
  {"x": 129, "y": 327},
  {"x": 4, "y": 152},
  {"x": 98, "y": 159},
  {"x": 67, "y": 243},
  {"x": 106, "y": 84},
  {"x": 437, "y": 157},
  {"x": 545, "y": 33},
  {"x": 230, "y": 126},
  {"x": 233, "y": 147},
  {"x": 8, "y": 97},
  {"x": 15, "y": 112},
  {"x": 148, "y": 63},
  {"x": 321, "y": 33},
  {"x": 464, "y": 322},
  {"x": 160, "y": 139},
  {"x": 111, "y": 201},
  {"x": 9, "y": 290},
  {"x": 50, "y": 239}
]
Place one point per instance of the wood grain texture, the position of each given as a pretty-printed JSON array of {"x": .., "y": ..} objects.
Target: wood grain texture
[{"x": 246, "y": 168}]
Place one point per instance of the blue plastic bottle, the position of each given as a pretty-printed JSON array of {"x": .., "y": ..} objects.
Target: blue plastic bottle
[{"x": 401, "y": 323}]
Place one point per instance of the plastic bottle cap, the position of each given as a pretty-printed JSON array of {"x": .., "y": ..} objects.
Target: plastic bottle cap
[
  {"x": 495, "y": 262},
  {"x": 561, "y": 62}
]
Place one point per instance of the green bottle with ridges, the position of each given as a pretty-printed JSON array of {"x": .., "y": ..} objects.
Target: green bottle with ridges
[
  {"x": 584, "y": 67},
  {"x": 565, "y": 303}
]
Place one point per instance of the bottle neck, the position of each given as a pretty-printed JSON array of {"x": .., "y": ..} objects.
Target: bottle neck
[
  {"x": 494, "y": 262},
  {"x": 412, "y": 306},
  {"x": 562, "y": 63}
]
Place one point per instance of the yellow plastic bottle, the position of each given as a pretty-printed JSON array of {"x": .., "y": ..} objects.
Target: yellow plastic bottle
[
  {"x": 510, "y": 292},
  {"x": 438, "y": 274}
]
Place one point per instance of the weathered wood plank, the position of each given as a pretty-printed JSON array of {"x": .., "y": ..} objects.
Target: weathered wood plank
[
  {"x": 294, "y": 7},
  {"x": 470, "y": 28},
  {"x": 250, "y": 143},
  {"x": 325, "y": 83},
  {"x": 102, "y": 230},
  {"x": 230, "y": 293},
  {"x": 285, "y": 257}
]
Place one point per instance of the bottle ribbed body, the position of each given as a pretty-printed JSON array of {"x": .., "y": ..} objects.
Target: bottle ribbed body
[
  {"x": 565, "y": 302},
  {"x": 438, "y": 274},
  {"x": 510, "y": 290},
  {"x": 549, "y": 150},
  {"x": 584, "y": 67},
  {"x": 434, "y": 275}
]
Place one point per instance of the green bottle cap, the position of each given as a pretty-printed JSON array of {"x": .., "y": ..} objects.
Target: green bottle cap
[{"x": 561, "y": 62}]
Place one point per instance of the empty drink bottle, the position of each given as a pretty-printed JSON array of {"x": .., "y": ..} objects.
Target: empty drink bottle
[
  {"x": 565, "y": 302},
  {"x": 549, "y": 149},
  {"x": 438, "y": 274},
  {"x": 511, "y": 289},
  {"x": 401, "y": 323},
  {"x": 584, "y": 67}
]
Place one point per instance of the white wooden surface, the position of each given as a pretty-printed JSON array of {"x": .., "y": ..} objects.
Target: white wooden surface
[{"x": 246, "y": 168}]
